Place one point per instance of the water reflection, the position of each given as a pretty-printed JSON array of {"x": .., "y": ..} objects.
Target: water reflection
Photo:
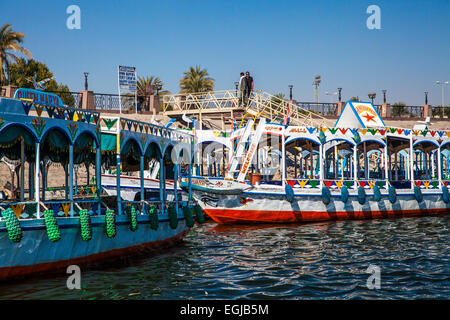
[{"x": 294, "y": 261}]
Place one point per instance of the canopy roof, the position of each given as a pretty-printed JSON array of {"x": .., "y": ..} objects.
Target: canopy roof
[{"x": 359, "y": 115}]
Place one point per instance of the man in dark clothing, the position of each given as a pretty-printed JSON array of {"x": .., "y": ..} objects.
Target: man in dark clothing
[{"x": 248, "y": 87}]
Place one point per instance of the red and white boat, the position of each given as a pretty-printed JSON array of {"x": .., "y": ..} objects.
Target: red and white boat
[{"x": 358, "y": 169}]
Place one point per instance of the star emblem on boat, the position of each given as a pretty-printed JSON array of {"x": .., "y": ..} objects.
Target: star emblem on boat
[{"x": 369, "y": 117}]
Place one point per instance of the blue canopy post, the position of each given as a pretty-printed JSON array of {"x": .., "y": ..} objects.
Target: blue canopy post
[
  {"x": 175, "y": 180},
  {"x": 71, "y": 179},
  {"x": 37, "y": 182},
  {"x": 142, "y": 183},
  {"x": 161, "y": 183},
  {"x": 98, "y": 177}
]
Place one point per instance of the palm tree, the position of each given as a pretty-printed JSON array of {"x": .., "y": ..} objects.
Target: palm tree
[
  {"x": 10, "y": 41},
  {"x": 196, "y": 80},
  {"x": 146, "y": 87}
]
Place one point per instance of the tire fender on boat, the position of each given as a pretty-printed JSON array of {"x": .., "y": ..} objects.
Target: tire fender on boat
[
  {"x": 445, "y": 195},
  {"x": 418, "y": 194},
  {"x": 376, "y": 193},
  {"x": 361, "y": 195},
  {"x": 289, "y": 192},
  {"x": 392, "y": 194},
  {"x": 344, "y": 194},
  {"x": 326, "y": 195}
]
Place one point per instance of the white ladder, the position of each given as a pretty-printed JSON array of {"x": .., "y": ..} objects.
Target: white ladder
[
  {"x": 252, "y": 148},
  {"x": 239, "y": 151}
]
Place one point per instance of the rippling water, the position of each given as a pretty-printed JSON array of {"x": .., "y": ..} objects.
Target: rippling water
[{"x": 298, "y": 261}]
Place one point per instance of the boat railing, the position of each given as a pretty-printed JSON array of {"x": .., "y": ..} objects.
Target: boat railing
[{"x": 116, "y": 124}]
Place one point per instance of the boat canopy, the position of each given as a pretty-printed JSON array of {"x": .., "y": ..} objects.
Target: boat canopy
[{"x": 359, "y": 115}]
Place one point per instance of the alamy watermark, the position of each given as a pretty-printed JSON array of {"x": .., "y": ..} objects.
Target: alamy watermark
[
  {"x": 374, "y": 281},
  {"x": 74, "y": 20},
  {"x": 74, "y": 280},
  {"x": 374, "y": 20}
]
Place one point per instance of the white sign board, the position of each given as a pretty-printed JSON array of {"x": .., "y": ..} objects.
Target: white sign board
[{"x": 127, "y": 82}]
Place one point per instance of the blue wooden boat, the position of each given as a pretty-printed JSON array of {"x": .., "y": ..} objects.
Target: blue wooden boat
[{"x": 41, "y": 233}]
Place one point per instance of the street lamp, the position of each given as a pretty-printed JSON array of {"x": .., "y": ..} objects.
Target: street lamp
[
  {"x": 290, "y": 91},
  {"x": 236, "y": 84},
  {"x": 372, "y": 96},
  {"x": 384, "y": 96},
  {"x": 331, "y": 94},
  {"x": 86, "y": 81},
  {"x": 339, "y": 90},
  {"x": 157, "y": 87},
  {"x": 442, "y": 85}
]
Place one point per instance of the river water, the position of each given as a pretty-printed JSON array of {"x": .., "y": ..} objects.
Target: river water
[{"x": 326, "y": 260}]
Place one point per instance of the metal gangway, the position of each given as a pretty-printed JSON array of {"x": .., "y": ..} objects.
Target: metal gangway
[{"x": 274, "y": 108}]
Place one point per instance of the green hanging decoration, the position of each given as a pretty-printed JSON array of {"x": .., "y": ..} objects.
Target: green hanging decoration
[
  {"x": 110, "y": 223},
  {"x": 12, "y": 225},
  {"x": 356, "y": 137},
  {"x": 187, "y": 213},
  {"x": 73, "y": 129},
  {"x": 153, "y": 215},
  {"x": 173, "y": 219},
  {"x": 38, "y": 125},
  {"x": 85, "y": 225},
  {"x": 199, "y": 214},
  {"x": 322, "y": 137},
  {"x": 51, "y": 224},
  {"x": 132, "y": 216}
]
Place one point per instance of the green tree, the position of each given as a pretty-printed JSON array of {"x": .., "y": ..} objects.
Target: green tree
[
  {"x": 10, "y": 41},
  {"x": 196, "y": 80},
  {"x": 398, "y": 109},
  {"x": 22, "y": 74},
  {"x": 354, "y": 98}
]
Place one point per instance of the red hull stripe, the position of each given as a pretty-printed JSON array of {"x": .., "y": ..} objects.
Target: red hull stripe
[
  {"x": 8, "y": 273},
  {"x": 258, "y": 216}
]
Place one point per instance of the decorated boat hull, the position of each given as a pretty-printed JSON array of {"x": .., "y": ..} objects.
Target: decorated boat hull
[
  {"x": 36, "y": 254},
  {"x": 273, "y": 206}
]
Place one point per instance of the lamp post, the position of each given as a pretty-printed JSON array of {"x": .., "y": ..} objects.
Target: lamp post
[
  {"x": 442, "y": 85},
  {"x": 316, "y": 84},
  {"x": 339, "y": 90},
  {"x": 372, "y": 96},
  {"x": 426, "y": 98},
  {"x": 86, "y": 81},
  {"x": 157, "y": 87},
  {"x": 331, "y": 94},
  {"x": 384, "y": 96},
  {"x": 290, "y": 91},
  {"x": 236, "y": 84}
]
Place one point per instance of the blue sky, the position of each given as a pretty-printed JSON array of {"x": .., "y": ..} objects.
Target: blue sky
[{"x": 279, "y": 42}]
